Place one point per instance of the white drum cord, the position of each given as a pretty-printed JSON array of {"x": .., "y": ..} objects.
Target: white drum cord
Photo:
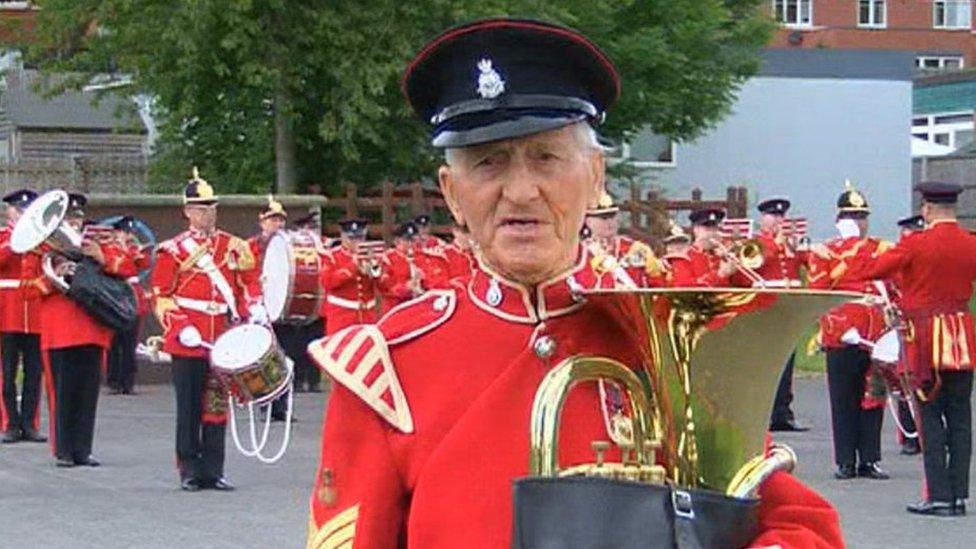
[{"x": 257, "y": 448}]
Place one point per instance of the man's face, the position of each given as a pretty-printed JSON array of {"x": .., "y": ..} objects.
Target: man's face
[
  {"x": 523, "y": 200},
  {"x": 705, "y": 235},
  {"x": 677, "y": 247},
  {"x": 770, "y": 222},
  {"x": 402, "y": 244},
  {"x": 271, "y": 225},
  {"x": 862, "y": 223},
  {"x": 13, "y": 213},
  {"x": 202, "y": 217},
  {"x": 603, "y": 226},
  {"x": 350, "y": 240}
]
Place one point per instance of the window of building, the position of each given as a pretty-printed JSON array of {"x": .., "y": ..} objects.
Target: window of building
[
  {"x": 646, "y": 149},
  {"x": 871, "y": 13},
  {"x": 952, "y": 14},
  {"x": 939, "y": 62},
  {"x": 793, "y": 13},
  {"x": 953, "y": 129}
]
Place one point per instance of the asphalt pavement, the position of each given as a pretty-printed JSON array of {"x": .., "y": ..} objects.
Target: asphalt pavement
[{"x": 133, "y": 499}]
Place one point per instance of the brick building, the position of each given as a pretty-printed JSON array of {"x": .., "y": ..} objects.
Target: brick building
[{"x": 940, "y": 32}]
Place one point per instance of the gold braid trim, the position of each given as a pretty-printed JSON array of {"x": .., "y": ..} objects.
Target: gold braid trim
[
  {"x": 339, "y": 531},
  {"x": 245, "y": 259},
  {"x": 164, "y": 306},
  {"x": 194, "y": 257}
]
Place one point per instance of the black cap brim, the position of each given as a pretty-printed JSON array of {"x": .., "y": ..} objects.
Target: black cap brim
[{"x": 507, "y": 127}]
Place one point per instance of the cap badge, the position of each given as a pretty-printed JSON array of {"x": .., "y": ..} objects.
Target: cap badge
[
  {"x": 856, "y": 199},
  {"x": 490, "y": 83}
]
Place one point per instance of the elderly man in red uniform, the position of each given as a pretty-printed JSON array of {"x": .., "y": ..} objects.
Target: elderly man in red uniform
[
  {"x": 20, "y": 344},
  {"x": 701, "y": 264},
  {"x": 350, "y": 279},
  {"x": 76, "y": 354},
  {"x": 122, "y": 356},
  {"x": 428, "y": 424},
  {"x": 204, "y": 282},
  {"x": 781, "y": 269},
  {"x": 856, "y": 431},
  {"x": 936, "y": 269}
]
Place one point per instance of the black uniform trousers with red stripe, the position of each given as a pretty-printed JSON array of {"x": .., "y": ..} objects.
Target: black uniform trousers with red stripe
[
  {"x": 17, "y": 348},
  {"x": 77, "y": 376},
  {"x": 199, "y": 445}
]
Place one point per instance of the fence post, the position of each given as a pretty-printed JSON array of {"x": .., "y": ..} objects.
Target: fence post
[
  {"x": 352, "y": 203},
  {"x": 386, "y": 211},
  {"x": 417, "y": 205},
  {"x": 735, "y": 200}
]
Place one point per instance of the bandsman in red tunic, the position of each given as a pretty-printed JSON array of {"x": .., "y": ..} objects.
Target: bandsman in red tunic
[
  {"x": 936, "y": 269},
  {"x": 908, "y": 226},
  {"x": 350, "y": 279},
  {"x": 270, "y": 220},
  {"x": 75, "y": 343},
  {"x": 625, "y": 262},
  {"x": 780, "y": 268},
  {"x": 676, "y": 244},
  {"x": 856, "y": 431},
  {"x": 702, "y": 265},
  {"x": 460, "y": 258},
  {"x": 428, "y": 424},
  {"x": 122, "y": 366},
  {"x": 425, "y": 239},
  {"x": 20, "y": 338},
  {"x": 205, "y": 281},
  {"x": 402, "y": 278}
]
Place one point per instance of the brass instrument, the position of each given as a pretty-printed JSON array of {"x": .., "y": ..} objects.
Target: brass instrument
[
  {"x": 416, "y": 288},
  {"x": 368, "y": 257},
  {"x": 746, "y": 256},
  {"x": 703, "y": 394}
]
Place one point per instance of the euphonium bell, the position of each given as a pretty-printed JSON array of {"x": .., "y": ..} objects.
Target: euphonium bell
[
  {"x": 750, "y": 254},
  {"x": 712, "y": 363}
]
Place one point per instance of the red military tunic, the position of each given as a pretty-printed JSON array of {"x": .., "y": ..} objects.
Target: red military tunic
[
  {"x": 17, "y": 313},
  {"x": 350, "y": 294},
  {"x": 936, "y": 269},
  {"x": 431, "y": 242},
  {"x": 434, "y": 264},
  {"x": 400, "y": 274},
  {"x": 781, "y": 263},
  {"x": 428, "y": 424},
  {"x": 184, "y": 295},
  {"x": 460, "y": 262},
  {"x": 696, "y": 268},
  {"x": 833, "y": 270}
]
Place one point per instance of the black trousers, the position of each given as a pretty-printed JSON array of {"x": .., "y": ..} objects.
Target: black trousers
[
  {"x": 947, "y": 438},
  {"x": 14, "y": 348},
  {"x": 77, "y": 372},
  {"x": 782, "y": 406},
  {"x": 199, "y": 445},
  {"x": 294, "y": 340},
  {"x": 122, "y": 359},
  {"x": 857, "y": 432}
]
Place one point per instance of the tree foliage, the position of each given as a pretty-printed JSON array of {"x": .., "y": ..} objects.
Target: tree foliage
[{"x": 219, "y": 70}]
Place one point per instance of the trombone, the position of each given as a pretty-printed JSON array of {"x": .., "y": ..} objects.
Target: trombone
[{"x": 746, "y": 256}]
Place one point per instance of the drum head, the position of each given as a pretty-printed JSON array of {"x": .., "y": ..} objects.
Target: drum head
[
  {"x": 241, "y": 348},
  {"x": 276, "y": 275},
  {"x": 887, "y": 348}
]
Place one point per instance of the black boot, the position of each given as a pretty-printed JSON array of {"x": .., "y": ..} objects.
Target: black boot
[
  {"x": 959, "y": 507},
  {"x": 932, "y": 508},
  {"x": 12, "y": 435},
  {"x": 910, "y": 447},
  {"x": 872, "y": 470},
  {"x": 845, "y": 472},
  {"x": 31, "y": 435}
]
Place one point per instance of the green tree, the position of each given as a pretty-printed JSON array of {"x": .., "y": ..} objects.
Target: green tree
[{"x": 314, "y": 85}]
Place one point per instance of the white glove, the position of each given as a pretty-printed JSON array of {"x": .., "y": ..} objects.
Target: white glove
[
  {"x": 258, "y": 314},
  {"x": 848, "y": 228},
  {"x": 190, "y": 337}
]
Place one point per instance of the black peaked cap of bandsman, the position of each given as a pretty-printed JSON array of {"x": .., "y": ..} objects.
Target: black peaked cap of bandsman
[
  {"x": 504, "y": 78},
  {"x": 125, "y": 223},
  {"x": 406, "y": 230},
  {"x": 707, "y": 216},
  {"x": 353, "y": 225},
  {"x": 776, "y": 205},
  {"x": 913, "y": 222},
  {"x": 421, "y": 220},
  {"x": 939, "y": 192},
  {"x": 21, "y": 198},
  {"x": 77, "y": 203}
]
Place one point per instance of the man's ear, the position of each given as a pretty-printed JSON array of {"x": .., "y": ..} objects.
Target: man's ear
[
  {"x": 598, "y": 169},
  {"x": 445, "y": 179}
]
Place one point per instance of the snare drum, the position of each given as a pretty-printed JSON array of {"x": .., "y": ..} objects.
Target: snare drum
[
  {"x": 290, "y": 278},
  {"x": 250, "y": 364}
]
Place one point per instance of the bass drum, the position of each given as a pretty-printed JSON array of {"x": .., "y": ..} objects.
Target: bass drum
[{"x": 290, "y": 278}]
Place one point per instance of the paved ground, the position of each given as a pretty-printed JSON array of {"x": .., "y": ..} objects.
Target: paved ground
[{"x": 133, "y": 500}]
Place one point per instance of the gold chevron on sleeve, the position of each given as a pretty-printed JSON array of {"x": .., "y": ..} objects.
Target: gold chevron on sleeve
[{"x": 339, "y": 531}]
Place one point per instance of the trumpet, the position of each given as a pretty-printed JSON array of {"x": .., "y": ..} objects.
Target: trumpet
[
  {"x": 368, "y": 254},
  {"x": 746, "y": 256}
]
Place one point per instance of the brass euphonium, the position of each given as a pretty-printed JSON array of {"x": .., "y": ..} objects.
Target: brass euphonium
[
  {"x": 712, "y": 359},
  {"x": 746, "y": 255}
]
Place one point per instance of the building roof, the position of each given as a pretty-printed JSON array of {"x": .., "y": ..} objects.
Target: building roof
[
  {"x": 838, "y": 64},
  {"x": 27, "y": 107},
  {"x": 950, "y": 92}
]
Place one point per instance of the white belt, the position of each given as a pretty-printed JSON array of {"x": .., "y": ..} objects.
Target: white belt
[
  {"x": 349, "y": 303},
  {"x": 207, "y": 307},
  {"x": 9, "y": 283},
  {"x": 778, "y": 283}
]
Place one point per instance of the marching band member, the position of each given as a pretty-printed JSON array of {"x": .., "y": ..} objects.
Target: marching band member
[
  {"x": 19, "y": 335},
  {"x": 121, "y": 375},
  {"x": 781, "y": 268},
  {"x": 402, "y": 279},
  {"x": 677, "y": 241},
  {"x": 936, "y": 268},
  {"x": 908, "y": 226},
  {"x": 425, "y": 239},
  {"x": 350, "y": 276},
  {"x": 76, "y": 355},
  {"x": 271, "y": 220},
  {"x": 204, "y": 282},
  {"x": 856, "y": 431},
  {"x": 460, "y": 258},
  {"x": 701, "y": 264},
  {"x": 456, "y": 370},
  {"x": 635, "y": 257},
  {"x": 307, "y": 376}
]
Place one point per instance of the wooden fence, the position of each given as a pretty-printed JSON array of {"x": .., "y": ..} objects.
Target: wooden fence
[
  {"x": 99, "y": 175},
  {"x": 391, "y": 205},
  {"x": 649, "y": 215}
]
